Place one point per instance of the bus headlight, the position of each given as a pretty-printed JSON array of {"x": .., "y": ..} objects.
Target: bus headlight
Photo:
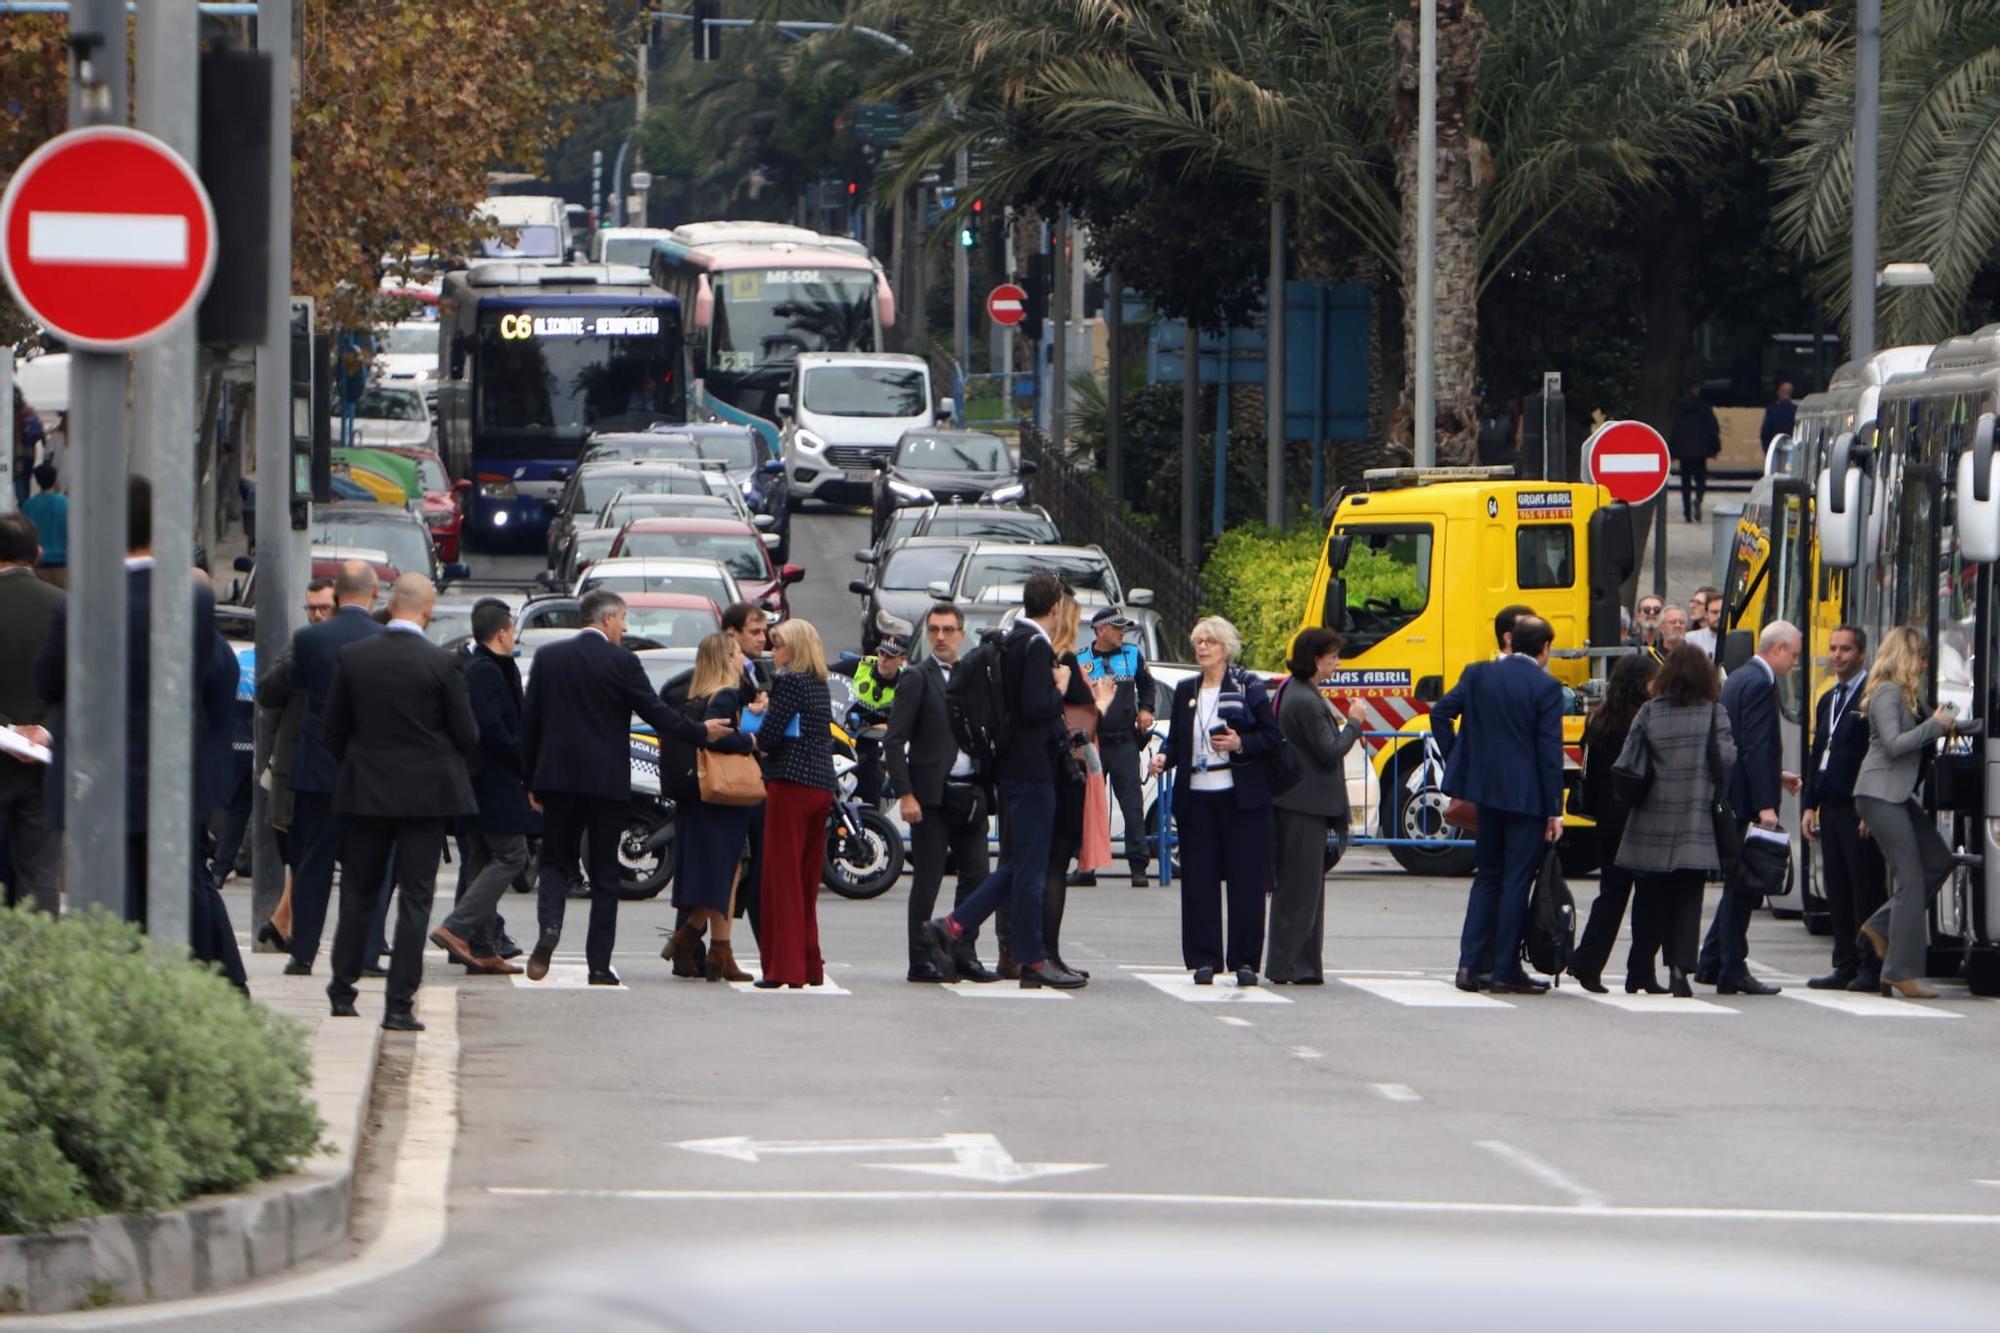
[{"x": 495, "y": 487}]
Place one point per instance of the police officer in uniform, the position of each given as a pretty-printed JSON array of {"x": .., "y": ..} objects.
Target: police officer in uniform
[
  {"x": 875, "y": 679},
  {"x": 1122, "y": 729}
]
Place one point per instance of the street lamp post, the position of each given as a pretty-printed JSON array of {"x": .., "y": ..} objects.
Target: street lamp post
[
  {"x": 1867, "y": 116},
  {"x": 1424, "y": 396}
]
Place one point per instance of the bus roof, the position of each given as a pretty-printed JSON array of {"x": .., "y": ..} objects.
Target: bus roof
[
  {"x": 562, "y": 278},
  {"x": 703, "y": 235},
  {"x": 1968, "y": 351}
]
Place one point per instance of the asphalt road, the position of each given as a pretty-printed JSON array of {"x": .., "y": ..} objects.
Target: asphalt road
[{"x": 1384, "y": 1109}]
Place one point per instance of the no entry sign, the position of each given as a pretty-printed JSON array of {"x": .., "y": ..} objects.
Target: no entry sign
[
  {"x": 108, "y": 237},
  {"x": 1628, "y": 459},
  {"x": 1007, "y": 304}
]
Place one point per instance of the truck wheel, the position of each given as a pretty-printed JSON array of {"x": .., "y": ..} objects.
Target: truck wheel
[{"x": 1420, "y": 814}]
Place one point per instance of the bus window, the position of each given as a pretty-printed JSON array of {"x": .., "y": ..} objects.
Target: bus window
[
  {"x": 1957, "y": 581},
  {"x": 1784, "y": 597},
  {"x": 1388, "y": 577},
  {"x": 1545, "y": 556}
]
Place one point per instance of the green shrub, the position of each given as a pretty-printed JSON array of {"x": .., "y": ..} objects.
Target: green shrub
[
  {"x": 1258, "y": 578},
  {"x": 131, "y": 1079}
]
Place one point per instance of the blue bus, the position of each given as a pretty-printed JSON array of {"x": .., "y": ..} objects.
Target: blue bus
[{"x": 533, "y": 360}]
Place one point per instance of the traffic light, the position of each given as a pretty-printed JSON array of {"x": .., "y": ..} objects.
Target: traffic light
[{"x": 968, "y": 235}]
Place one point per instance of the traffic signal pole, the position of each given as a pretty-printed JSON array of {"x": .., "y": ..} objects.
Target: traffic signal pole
[{"x": 961, "y": 278}]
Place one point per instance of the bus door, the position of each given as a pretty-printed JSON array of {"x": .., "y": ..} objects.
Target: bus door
[
  {"x": 1787, "y": 591},
  {"x": 1957, "y": 775}
]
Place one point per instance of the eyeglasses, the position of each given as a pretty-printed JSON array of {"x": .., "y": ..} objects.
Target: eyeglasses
[
  {"x": 937, "y": 630},
  {"x": 1203, "y": 641},
  {"x": 1650, "y": 610}
]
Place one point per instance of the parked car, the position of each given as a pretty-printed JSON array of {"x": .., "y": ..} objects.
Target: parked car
[
  {"x": 737, "y": 546},
  {"x": 389, "y": 414},
  {"x": 989, "y": 580},
  {"x": 707, "y": 578},
  {"x": 323, "y": 563},
  {"x": 388, "y": 528},
  {"x": 900, "y": 585},
  {"x": 443, "y": 499},
  {"x": 592, "y": 486},
  {"x": 929, "y": 466}
]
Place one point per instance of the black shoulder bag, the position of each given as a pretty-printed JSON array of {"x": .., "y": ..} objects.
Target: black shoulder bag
[
  {"x": 1629, "y": 784},
  {"x": 1728, "y": 830}
]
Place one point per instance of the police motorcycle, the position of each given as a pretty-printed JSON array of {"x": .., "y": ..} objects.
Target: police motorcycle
[{"x": 864, "y": 849}]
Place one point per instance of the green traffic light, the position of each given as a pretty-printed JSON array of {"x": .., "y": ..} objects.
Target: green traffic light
[{"x": 967, "y": 238}]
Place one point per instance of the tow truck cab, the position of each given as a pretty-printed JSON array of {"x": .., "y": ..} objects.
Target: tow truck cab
[{"x": 1416, "y": 565}]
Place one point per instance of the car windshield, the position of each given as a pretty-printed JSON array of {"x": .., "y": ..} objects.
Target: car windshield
[
  {"x": 952, "y": 453},
  {"x": 390, "y": 405},
  {"x": 600, "y": 490},
  {"x": 694, "y": 585},
  {"x": 448, "y": 623},
  {"x": 865, "y": 391},
  {"x": 672, "y": 448},
  {"x": 738, "y": 452},
  {"x": 671, "y": 626},
  {"x": 407, "y": 545},
  {"x": 742, "y": 554},
  {"x": 991, "y": 525},
  {"x": 914, "y": 568},
  {"x": 524, "y": 243},
  {"x": 629, "y": 250},
  {"x": 1078, "y": 571},
  {"x": 408, "y": 339},
  {"x": 432, "y": 473}
]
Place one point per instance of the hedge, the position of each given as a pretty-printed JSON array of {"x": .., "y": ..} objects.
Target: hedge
[
  {"x": 1259, "y": 578},
  {"x": 132, "y": 1079}
]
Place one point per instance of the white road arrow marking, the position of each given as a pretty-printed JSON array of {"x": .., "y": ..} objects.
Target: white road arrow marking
[{"x": 979, "y": 1157}]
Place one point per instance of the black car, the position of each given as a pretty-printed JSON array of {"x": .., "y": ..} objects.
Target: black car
[
  {"x": 899, "y": 583},
  {"x": 944, "y": 465}
]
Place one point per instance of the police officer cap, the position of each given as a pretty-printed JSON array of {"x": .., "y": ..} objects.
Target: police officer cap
[
  {"x": 1112, "y": 616},
  {"x": 893, "y": 645}
]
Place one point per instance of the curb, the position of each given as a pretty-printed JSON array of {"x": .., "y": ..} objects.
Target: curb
[{"x": 209, "y": 1243}]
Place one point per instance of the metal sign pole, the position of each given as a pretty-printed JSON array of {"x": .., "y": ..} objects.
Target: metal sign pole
[
  {"x": 6, "y": 430},
  {"x": 166, "y": 374},
  {"x": 1423, "y": 403},
  {"x": 94, "y": 715}
]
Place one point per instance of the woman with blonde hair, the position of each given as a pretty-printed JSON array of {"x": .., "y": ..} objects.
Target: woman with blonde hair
[
  {"x": 712, "y": 837},
  {"x": 1081, "y": 803},
  {"x": 1885, "y": 796},
  {"x": 798, "y": 798}
]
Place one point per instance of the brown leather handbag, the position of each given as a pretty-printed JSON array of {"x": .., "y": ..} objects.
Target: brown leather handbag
[
  {"x": 1460, "y": 813},
  {"x": 728, "y": 779}
]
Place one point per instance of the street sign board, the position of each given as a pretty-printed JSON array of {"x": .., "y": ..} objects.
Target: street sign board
[
  {"x": 1007, "y": 304},
  {"x": 1628, "y": 459},
  {"x": 107, "y": 237}
]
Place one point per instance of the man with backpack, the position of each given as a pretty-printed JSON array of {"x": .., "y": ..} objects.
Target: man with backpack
[{"x": 1007, "y": 708}]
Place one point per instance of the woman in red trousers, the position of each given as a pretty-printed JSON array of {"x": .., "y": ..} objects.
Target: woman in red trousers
[{"x": 798, "y": 798}]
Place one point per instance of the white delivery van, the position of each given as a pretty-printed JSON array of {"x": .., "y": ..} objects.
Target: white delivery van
[
  {"x": 537, "y": 230},
  {"x": 843, "y": 411}
]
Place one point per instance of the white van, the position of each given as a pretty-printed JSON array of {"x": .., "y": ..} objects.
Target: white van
[
  {"x": 538, "y": 230},
  {"x": 845, "y": 410},
  {"x": 626, "y": 245}
]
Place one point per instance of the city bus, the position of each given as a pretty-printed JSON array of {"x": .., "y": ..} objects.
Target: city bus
[
  {"x": 1775, "y": 573},
  {"x": 759, "y": 293},
  {"x": 1910, "y": 505},
  {"x": 533, "y": 359}
]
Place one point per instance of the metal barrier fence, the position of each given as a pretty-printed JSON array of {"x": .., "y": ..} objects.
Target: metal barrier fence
[{"x": 1089, "y": 517}]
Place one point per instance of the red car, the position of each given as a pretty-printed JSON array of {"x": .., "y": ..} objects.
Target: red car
[
  {"x": 444, "y": 499},
  {"x": 735, "y": 545}
]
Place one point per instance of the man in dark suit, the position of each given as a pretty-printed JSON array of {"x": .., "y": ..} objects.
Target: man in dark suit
[
  {"x": 1027, "y": 777},
  {"x": 941, "y": 798},
  {"x": 1754, "y": 785},
  {"x": 316, "y": 828},
  {"x": 1852, "y": 864},
  {"x": 1508, "y": 761},
  {"x": 28, "y": 609},
  {"x": 400, "y": 726},
  {"x": 214, "y": 672},
  {"x": 576, "y": 749},
  {"x": 497, "y": 836}
]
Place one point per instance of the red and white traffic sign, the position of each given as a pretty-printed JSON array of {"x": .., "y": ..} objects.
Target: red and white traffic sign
[
  {"x": 1627, "y": 458},
  {"x": 107, "y": 237},
  {"x": 1007, "y": 304}
]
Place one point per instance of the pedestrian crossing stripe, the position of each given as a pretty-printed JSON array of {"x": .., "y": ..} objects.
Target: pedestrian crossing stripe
[
  {"x": 973, "y": 990},
  {"x": 1181, "y": 986},
  {"x": 827, "y": 987},
  {"x": 1863, "y": 1005},
  {"x": 1649, "y": 1004},
  {"x": 563, "y": 976},
  {"x": 1424, "y": 994}
]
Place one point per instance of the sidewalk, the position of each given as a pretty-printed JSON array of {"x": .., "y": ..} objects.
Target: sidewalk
[{"x": 218, "y": 1241}]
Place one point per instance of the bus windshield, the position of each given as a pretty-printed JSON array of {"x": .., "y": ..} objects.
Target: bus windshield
[
  {"x": 766, "y": 317},
  {"x": 629, "y": 250},
  {"x": 564, "y": 372}
]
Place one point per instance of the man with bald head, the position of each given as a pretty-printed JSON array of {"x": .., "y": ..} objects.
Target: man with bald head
[
  {"x": 399, "y": 723},
  {"x": 307, "y": 672}
]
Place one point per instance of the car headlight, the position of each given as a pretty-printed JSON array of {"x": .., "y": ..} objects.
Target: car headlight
[
  {"x": 493, "y": 487},
  {"x": 808, "y": 441},
  {"x": 909, "y": 494},
  {"x": 439, "y": 520}
]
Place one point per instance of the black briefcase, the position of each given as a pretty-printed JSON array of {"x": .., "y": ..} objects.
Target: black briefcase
[{"x": 1762, "y": 867}]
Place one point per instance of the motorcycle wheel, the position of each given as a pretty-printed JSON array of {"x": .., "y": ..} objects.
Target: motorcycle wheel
[
  {"x": 866, "y": 866},
  {"x": 642, "y": 872}
]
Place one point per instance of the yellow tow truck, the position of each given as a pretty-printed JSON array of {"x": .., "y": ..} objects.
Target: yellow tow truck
[{"x": 1417, "y": 563}]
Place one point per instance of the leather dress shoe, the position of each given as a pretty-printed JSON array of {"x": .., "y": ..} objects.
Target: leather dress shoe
[
  {"x": 1647, "y": 985},
  {"x": 1082, "y": 879},
  {"x": 1467, "y": 979},
  {"x": 493, "y": 965},
  {"x": 1246, "y": 978},
  {"x": 1704, "y": 977},
  {"x": 1867, "y": 981},
  {"x": 966, "y": 963},
  {"x": 297, "y": 969},
  {"x": 1204, "y": 976},
  {"x": 1838, "y": 979},
  {"x": 1525, "y": 986},
  {"x": 269, "y": 934},
  {"x": 504, "y": 947},
  {"x": 604, "y": 978},
  {"x": 401, "y": 1023},
  {"x": 928, "y": 971},
  {"x": 374, "y": 970},
  {"x": 1677, "y": 982},
  {"x": 545, "y": 948},
  {"x": 345, "y": 1009},
  {"x": 1746, "y": 985},
  {"x": 453, "y": 944},
  {"x": 1590, "y": 981},
  {"x": 1139, "y": 880},
  {"x": 1048, "y": 972}
]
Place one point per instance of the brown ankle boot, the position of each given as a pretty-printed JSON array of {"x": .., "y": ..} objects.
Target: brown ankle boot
[
  {"x": 722, "y": 964},
  {"x": 1009, "y": 969},
  {"x": 681, "y": 951}
]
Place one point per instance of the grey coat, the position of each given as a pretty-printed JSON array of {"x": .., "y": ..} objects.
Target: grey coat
[
  {"x": 1896, "y": 745},
  {"x": 1672, "y": 829},
  {"x": 1320, "y": 744}
]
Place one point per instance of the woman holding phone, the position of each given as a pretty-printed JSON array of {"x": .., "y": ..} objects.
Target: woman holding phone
[{"x": 1885, "y": 796}]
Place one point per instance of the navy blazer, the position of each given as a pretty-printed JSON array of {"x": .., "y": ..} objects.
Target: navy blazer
[
  {"x": 1751, "y": 696},
  {"x": 1509, "y": 755},
  {"x": 493, "y": 683},
  {"x": 401, "y": 728},
  {"x": 315, "y": 657},
  {"x": 1849, "y": 742},
  {"x": 1255, "y": 722},
  {"x": 576, "y": 733},
  {"x": 1034, "y": 706}
]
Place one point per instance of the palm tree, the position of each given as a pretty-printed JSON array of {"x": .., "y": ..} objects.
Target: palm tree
[{"x": 1939, "y": 158}]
